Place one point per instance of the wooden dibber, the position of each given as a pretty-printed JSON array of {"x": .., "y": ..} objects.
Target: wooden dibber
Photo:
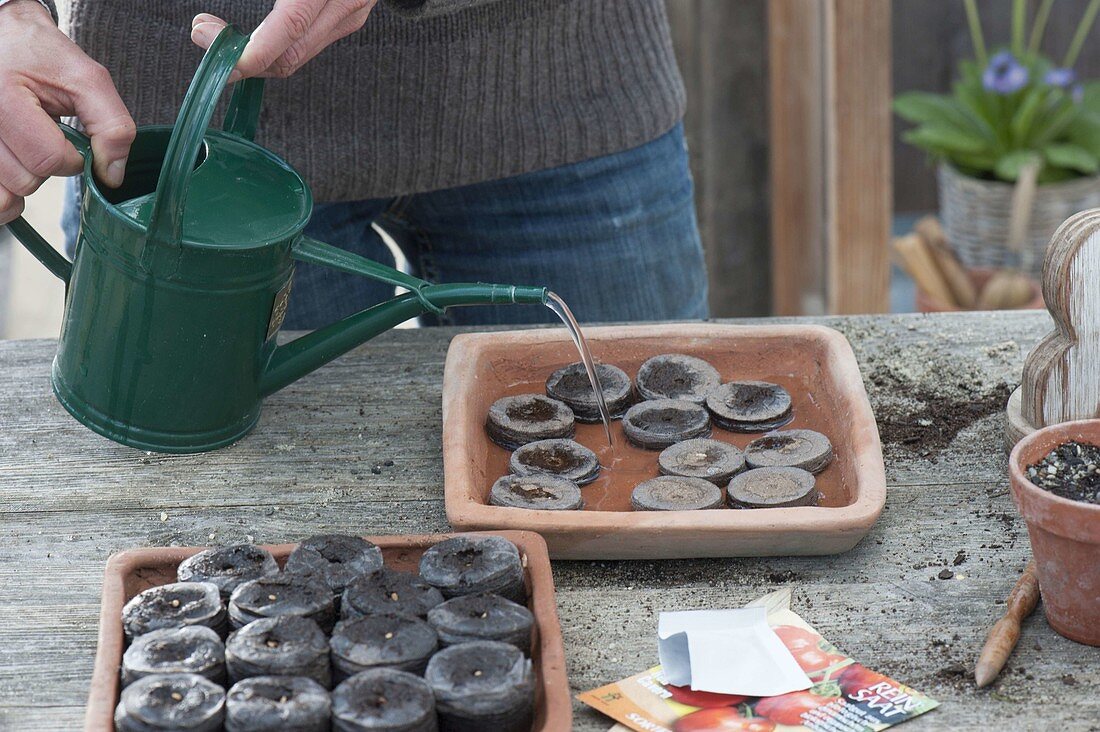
[
  {"x": 963, "y": 292},
  {"x": 917, "y": 259},
  {"x": 1061, "y": 379},
  {"x": 1006, "y": 631}
]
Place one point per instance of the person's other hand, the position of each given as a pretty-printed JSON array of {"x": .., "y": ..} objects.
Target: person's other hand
[
  {"x": 44, "y": 75},
  {"x": 294, "y": 32}
]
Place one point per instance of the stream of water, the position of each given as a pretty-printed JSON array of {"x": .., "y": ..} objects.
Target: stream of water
[{"x": 558, "y": 306}]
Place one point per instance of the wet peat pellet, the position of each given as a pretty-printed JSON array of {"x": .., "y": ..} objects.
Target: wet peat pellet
[
  {"x": 277, "y": 704},
  {"x": 539, "y": 491},
  {"x": 387, "y": 640},
  {"x": 482, "y": 685},
  {"x": 704, "y": 458},
  {"x": 517, "y": 420},
  {"x": 483, "y": 617},
  {"x": 283, "y": 646},
  {"x": 772, "y": 488},
  {"x": 571, "y": 386},
  {"x": 566, "y": 458},
  {"x": 804, "y": 449},
  {"x": 174, "y": 606},
  {"x": 675, "y": 493},
  {"x": 192, "y": 649},
  {"x": 676, "y": 376},
  {"x": 171, "y": 702},
  {"x": 283, "y": 594},
  {"x": 383, "y": 700},
  {"x": 389, "y": 591},
  {"x": 660, "y": 423},
  {"x": 750, "y": 406},
  {"x": 228, "y": 567},
  {"x": 466, "y": 565},
  {"x": 335, "y": 558}
]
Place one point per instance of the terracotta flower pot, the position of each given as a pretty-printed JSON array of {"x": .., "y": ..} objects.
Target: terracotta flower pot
[
  {"x": 1065, "y": 535},
  {"x": 979, "y": 276}
]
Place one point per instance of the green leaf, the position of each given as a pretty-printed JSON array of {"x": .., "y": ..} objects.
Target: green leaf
[
  {"x": 1009, "y": 166},
  {"x": 1084, "y": 131},
  {"x": 942, "y": 110},
  {"x": 1053, "y": 123},
  {"x": 1091, "y": 96},
  {"x": 1073, "y": 157},
  {"x": 980, "y": 104},
  {"x": 944, "y": 139},
  {"x": 1025, "y": 114}
]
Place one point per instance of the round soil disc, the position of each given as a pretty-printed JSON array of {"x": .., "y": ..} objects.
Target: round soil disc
[
  {"x": 750, "y": 406},
  {"x": 389, "y": 591},
  {"x": 482, "y": 617},
  {"x": 173, "y": 606},
  {"x": 466, "y": 565},
  {"x": 772, "y": 488},
  {"x": 335, "y": 558},
  {"x": 675, "y": 493},
  {"x": 192, "y": 649},
  {"x": 482, "y": 685},
  {"x": 517, "y": 420},
  {"x": 283, "y": 646},
  {"x": 702, "y": 458},
  {"x": 539, "y": 491},
  {"x": 386, "y": 639},
  {"x": 566, "y": 458},
  {"x": 571, "y": 386},
  {"x": 171, "y": 701},
  {"x": 676, "y": 376},
  {"x": 659, "y": 423},
  {"x": 228, "y": 567},
  {"x": 804, "y": 449},
  {"x": 383, "y": 700},
  {"x": 281, "y": 595},
  {"x": 265, "y": 703}
]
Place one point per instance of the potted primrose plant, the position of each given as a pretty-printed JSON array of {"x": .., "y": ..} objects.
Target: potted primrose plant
[{"x": 1009, "y": 110}]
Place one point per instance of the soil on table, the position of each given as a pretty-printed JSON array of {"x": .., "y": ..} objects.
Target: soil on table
[{"x": 1071, "y": 470}]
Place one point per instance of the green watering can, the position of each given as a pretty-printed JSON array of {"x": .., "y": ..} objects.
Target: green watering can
[{"x": 182, "y": 275}]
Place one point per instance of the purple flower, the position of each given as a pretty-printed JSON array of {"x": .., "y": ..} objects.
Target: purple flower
[
  {"x": 1061, "y": 78},
  {"x": 1004, "y": 74}
]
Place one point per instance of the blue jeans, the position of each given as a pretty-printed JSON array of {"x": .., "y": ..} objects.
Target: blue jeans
[{"x": 615, "y": 236}]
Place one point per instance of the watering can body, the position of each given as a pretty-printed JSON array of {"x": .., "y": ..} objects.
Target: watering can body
[{"x": 172, "y": 308}]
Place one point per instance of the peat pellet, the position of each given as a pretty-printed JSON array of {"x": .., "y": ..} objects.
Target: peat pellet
[
  {"x": 676, "y": 376},
  {"x": 282, "y": 646},
  {"x": 750, "y": 406},
  {"x": 482, "y": 617},
  {"x": 283, "y": 594},
  {"x": 387, "y": 640},
  {"x": 572, "y": 386},
  {"x": 659, "y": 423},
  {"x": 228, "y": 567},
  {"x": 335, "y": 558},
  {"x": 171, "y": 702},
  {"x": 804, "y": 449},
  {"x": 192, "y": 649},
  {"x": 566, "y": 458},
  {"x": 465, "y": 565},
  {"x": 389, "y": 591},
  {"x": 482, "y": 685},
  {"x": 675, "y": 493},
  {"x": 544, "y": 492},
  {"x": 277, "y": 704},
  {"x": 173, "y": 606},
  {"x": 383, "y": 700},
  {"x": 517, "y": 420},
  {"x": 703, "y": 458},
  {"x": 772, "y": 488}
]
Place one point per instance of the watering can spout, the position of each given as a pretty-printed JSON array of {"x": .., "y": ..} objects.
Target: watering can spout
[{"x": 303, "y": 355}]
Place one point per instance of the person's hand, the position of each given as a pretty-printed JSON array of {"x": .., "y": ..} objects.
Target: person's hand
[
  {"x": 44, "y": 75},
  {"x": 294, "y": 32}
]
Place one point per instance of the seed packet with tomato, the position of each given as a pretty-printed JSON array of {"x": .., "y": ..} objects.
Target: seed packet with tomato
[{"x": 845, "y": 697}]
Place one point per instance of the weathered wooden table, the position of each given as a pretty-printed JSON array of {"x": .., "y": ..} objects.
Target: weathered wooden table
[{"x": 913, "y": 600}]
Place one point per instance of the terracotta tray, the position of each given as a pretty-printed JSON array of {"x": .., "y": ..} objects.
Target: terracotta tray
[
  {"x": 815, "y": 364},
  {"x": 130, "y": 572}
]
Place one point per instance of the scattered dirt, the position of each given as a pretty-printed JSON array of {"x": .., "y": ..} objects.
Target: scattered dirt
[
  {"x": 933, "y": 421},
  {"x": 956, "y": 675},
  {"x": 959, "y": 558},
  {"x": 946, "y": 574}
]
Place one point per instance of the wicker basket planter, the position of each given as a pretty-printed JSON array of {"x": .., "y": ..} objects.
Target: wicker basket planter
[{"x": 975, "y": 216}]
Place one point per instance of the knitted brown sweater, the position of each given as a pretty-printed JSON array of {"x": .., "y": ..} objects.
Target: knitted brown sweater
[{"x": 428, "y": 94}]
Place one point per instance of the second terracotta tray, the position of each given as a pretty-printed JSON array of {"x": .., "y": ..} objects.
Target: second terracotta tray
[
  {"x": 130, "y": 572},
  {"x": 815, "y": 364}
]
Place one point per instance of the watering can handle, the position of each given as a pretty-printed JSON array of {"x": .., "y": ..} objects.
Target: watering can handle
[{"x": 166, "y": 219}]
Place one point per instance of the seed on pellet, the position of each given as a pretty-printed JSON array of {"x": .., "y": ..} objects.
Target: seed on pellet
[
  {"x": 171, "y": 702},
  {"x": 482, "y": 617},
  {"x": 538, "y": 491},
  {"x": 283, "y": 646},
  {"x": 750, "y": 406},
  {"x": 192, "y": 649},
  {"x": 659, "y": 423},
  {"x": 392, "y": 640},
  {"x": 283, "y": 594},
  {"x": 467, "y": 564},
  {"x": 566, "y": 458},
  {"x": 517, "y": 420},
  {"x": 772, "y": 488},
  {"x": 277, "y": 704},
  {"x": 336, "y": 558},
  {"x": 389, "y": 591},
  {"x": 804, "y": 449},
  {"x": 173, "y": 606},
  {"x": 702, "y": 458},
  {"x": 675, "y": 493},
  {"x": 572, "y": 386},
  {"x": 482, "y": 685},
  {"x": 676, "y": 376},
  {"x": 384, "y": 700},
  {"x": 228, "y": 567}
]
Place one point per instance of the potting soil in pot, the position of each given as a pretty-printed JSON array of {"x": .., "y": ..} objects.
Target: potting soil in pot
[
  {"x": 1071, "y": 470},
  {"x": 280, "y": 666}
]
